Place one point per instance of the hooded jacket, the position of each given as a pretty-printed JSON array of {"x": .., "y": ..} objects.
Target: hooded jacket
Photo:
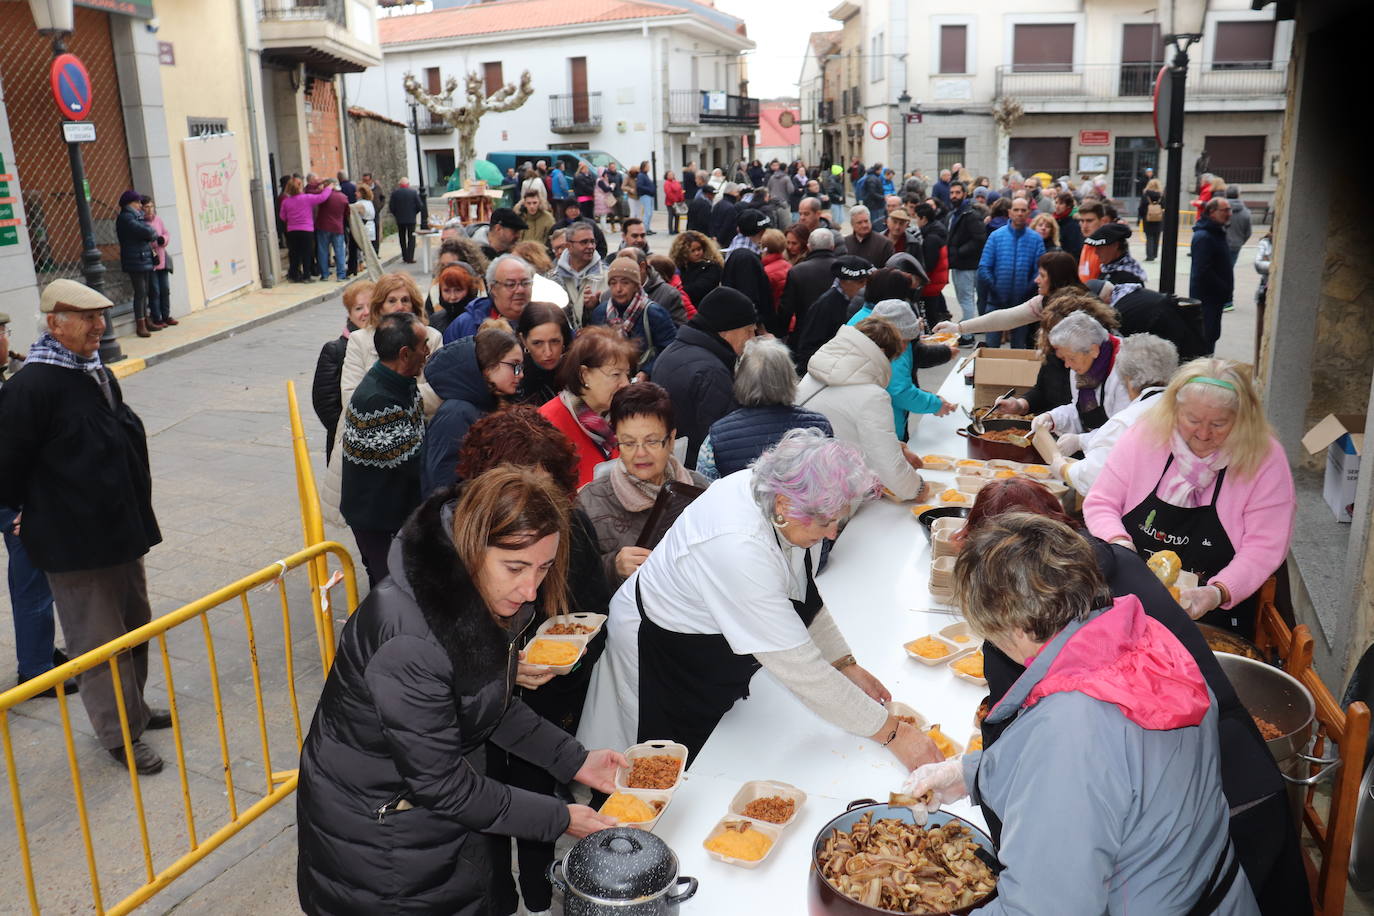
[
  {"x": 135, "y": 241},
  {"x": 1211, "y": 279},
  {"x": 846, "y": 381},
  {"x": 466, "y": 322},
  {"x": 698, "y": 369},
  {"x": 456, "y": 378},
  {"x": 1113, "y": 731},
  {"x": 967, "y": 236},
  {"x": 744, "y": 271},
  {"x": 423, "y": 678}
]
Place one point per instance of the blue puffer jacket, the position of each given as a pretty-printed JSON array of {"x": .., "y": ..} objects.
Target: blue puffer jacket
[
  {"x": 135, "y": 252},
  {"x": 1211, "y": 278},
  {"x": 456, "y": 377},
  {"x": 466, "y": 322},
  {"x": 741, "y": 436},
  {"x": 1008, "y": 265}
]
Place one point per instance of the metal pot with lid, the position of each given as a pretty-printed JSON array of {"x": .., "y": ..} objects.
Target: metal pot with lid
[{"x": 622, "y": 871}]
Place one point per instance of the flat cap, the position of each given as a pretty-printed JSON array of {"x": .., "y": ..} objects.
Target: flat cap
[
  {"x": 1107, "y": 234},
  {"x": 71, "y": 296}
]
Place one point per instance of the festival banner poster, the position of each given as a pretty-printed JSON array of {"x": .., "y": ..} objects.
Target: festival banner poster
[{"x": 220, "y": 219}]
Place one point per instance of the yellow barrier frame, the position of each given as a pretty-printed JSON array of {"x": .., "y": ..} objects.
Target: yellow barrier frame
[
  {"x": 312, "y": 523},
  {"x": 279, "y": 784}
]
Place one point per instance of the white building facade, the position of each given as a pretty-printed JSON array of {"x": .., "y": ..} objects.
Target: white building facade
[{"x": 640, "y": 81}]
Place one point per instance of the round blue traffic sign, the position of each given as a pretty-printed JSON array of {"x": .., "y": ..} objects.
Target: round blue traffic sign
[{"x": 71, "y": 87}]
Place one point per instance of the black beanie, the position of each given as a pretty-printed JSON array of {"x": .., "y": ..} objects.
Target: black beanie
[{"x": 725, "y": 309}]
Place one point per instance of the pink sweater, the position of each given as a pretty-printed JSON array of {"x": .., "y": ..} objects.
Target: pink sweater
[
  {"x": 298, "y": 211},
  {"x": 1257, "y": 512}
]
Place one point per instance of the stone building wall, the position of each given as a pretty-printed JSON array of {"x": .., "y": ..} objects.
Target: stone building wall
[{"x": 377, "y": 144}]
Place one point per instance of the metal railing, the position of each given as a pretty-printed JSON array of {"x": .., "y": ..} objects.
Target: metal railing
[
  {"x": 687, "y": 106},
  {"x": 575, "y": 112},
  {"x": 308, "y": 10},
  {"x": 1101, "y": 81},
  {"x": 427, "y": 122}
]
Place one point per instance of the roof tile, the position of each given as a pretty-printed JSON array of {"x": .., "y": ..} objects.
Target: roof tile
[{"x": 512, "y": 16}]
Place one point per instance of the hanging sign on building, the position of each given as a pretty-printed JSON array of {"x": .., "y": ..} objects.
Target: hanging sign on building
[
  {"x": 9, "y": 223},
  {"x": 220, "y": 220},
  {"x": 1094, "y": 137}
]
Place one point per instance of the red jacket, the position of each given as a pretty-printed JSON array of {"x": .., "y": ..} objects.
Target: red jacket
[
  {"x": 672, "y": 193},
  {"x": 588, "y": 454},
  {"x": 687, "y": 306},
  {"x": 776, "y": 267},
  {"x": 939, "y": 274}
]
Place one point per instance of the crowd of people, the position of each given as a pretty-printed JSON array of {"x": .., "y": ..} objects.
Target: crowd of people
[{"x": 560, "y": 420}]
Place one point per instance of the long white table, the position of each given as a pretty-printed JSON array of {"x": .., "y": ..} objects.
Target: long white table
[{"x": 875, "y": 585}]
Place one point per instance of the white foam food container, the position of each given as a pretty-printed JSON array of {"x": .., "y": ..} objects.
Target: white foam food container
[
  {"x": 971, "y": 483},
  {"x": 653, "y": 797},
  {"x": 1006, "y": 464},
  {"x": 897, "y": 708},
  {"x": 772, "y": 831},
  {"x": 765, "y": 788},
  {"x": 969, "y": 463},
  {"x": 579, "y": 641},
  {"x": 948, "y": 523},
  {"x": 943, "y": 659},
  {"x": 956, "y": 630},
  {"x": 586, "y": 619},
  {"x": 653, "y": 748},
  {"x": 938, "y": 462},
  {"x": 967, "y": 677}
]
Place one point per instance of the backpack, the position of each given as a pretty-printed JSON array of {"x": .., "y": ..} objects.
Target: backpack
[{"x": 1154, "y": 212}]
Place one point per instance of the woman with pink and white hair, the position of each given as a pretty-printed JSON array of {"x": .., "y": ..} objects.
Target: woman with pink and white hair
[{"x": 730, "y": 590}]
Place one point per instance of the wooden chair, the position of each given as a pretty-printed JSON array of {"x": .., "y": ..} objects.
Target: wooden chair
[{"x": 1348, "y": 731}]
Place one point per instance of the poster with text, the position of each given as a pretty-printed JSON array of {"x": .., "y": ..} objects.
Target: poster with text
[{"x": 220, "y": 219}]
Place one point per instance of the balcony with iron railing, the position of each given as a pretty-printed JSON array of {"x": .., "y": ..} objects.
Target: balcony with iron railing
[
  {"x": 575, "y": 113},
  {"x": 688, "y": 106},
  {"x": 427, "y": 122},
  {"x": 315, "y": 33},
  {"x": 1234, "y": 80},
  {"x": 297, "y": 10}
]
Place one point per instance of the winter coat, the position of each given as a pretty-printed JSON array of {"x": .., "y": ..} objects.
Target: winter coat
[
  {"x": 847, "y": 382},
  {"x": 1212, "y": 279},
  {"x": 666, "y": 295},
  {"x": 744, "y": 272},
  {"x": 584, "y": 186},
  {"x": 698, "y": 370},
  {"x": 159, "y": 251},
  {"x": 538, "y": 384},
  {"x": 1114, "y": 731},
  {"x": 135, "y": 242},
  {"x": 1238, "y": 229},
  {"x": 1071, "y": 234},
  {"x": 380, "y": 451},
  {"x": 466, "y": 322},
  {"x": 406, "y": 205},
  {"x": 539, "y": 226},
  {"x": 906, "y": 395},
  {"x": 589, "y": 454},
  {"x": 699, "y": 278},
  {"x": 1008, "y": 265},
  {"x": 779, "y": 185},
  {"x": 724, "y": 219},
  {"x": 77, "y": 467},
  {"x": 1051, "y": 386},
  {"x": 699, "y": 215},
  {"x": 874, "y": 248},
  {"x": 935, "y": 257},
  {"x": 967, "y": 236},
  {"x": 742, "y": 435},
  {"x": 331, "y": 213},
  {"x": 823, "y": 318},
  {"x": 615, "y": 526},
  {"x": 776, "y": 266},
  {"x": 645, "y": 186},
  {"x": 455, "y": 376},
  {"x": 806, "y": 282},
  {"x": 298, "y": 210},
  {"x": 324, "y": 391},
  {"x": 423, "y": 679},
  {"x": 575, "y": 283},
  {"x": 654, "y": 330},
  {"x": 558, "y": 184},
  {"x": 672, "y": 192}
]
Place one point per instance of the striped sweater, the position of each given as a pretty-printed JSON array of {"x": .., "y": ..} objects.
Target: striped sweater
[{"x": 383, "y": 431}]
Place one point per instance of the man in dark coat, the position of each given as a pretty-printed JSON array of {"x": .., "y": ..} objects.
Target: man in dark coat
[
  {"x": 698, "y": 368},
  {"x": 967, "y": 236},
  {"x": 350, "y": 191},
  {"x": 725, "y": 214},
  {"x": 699, "y": 210},
  {"x": 825, "y": 316},
  {"x": 405, "y": 209},
  {"x": 744, "y": 266},
  {"x": 74, "y": 459},
  {"x": 1212, "y": 279},
  {"x": 807, "y": 279},
  {"x": 136, "y": 257},
  {"x": 1070, "y": 233}
]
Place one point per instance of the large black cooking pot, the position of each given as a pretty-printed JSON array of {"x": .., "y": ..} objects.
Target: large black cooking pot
[
  {"x": 620, "y": 871},
  {"x": 987, "y": 450},
  {"x": 824, "y": 899}
]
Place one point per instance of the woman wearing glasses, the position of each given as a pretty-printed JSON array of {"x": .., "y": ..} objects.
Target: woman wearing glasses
[
  {"x": 619, "y": 502},
  {"x": 474, "y": 376},
  {"x": 596, "y": 367}
]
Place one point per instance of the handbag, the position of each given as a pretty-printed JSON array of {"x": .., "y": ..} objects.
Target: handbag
[
  {"x": 673, "y": 497},
  {"x": 680, "y": 208}
]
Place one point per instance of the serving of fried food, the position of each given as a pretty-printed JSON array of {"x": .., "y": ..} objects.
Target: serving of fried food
[
  {"x": 1166, "y": 566},
  {"x": 970, "y": 463},
  {"x": 954, "y": 496},
  {"x": 982, "y": 713},
  {"x": 630, "y": 809},
  {"x": 740, "y": 840},
  {"x": 928, "y": 647},
  {"x": 942, "y": 741},
  {"x": 1268, "y": 730},
  {"x": 772, "y": 808},
  {"x": 975, "y": 743},
  {"x": 552, "y": 652},
  {"x": 569, "y": 629},
  {"x": 657, "y": 772},
  {"x": 972, "y": 665},
  {"x": 937, "y": 462},
  {"x": 902, "y": 868}
]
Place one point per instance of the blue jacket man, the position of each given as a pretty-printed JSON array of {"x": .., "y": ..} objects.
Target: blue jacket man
[
  {"x": 1212, "y": 279},
  {"x": 1008, "y": 266},
  {"x": 559, "y": 182}
]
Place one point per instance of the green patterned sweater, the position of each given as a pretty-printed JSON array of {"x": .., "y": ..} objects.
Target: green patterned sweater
[{"x": 383, "y": 431}]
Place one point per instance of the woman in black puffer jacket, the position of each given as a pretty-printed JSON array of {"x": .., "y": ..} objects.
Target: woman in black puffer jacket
[
  {"x": 394, "y": 813},
  {"x": 136, "y": 256}
]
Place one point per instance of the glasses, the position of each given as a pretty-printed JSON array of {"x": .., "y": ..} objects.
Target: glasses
[
  {"x": 516, "y": 368},
  {"x": 514, "y": 284},
  {"x": 649, "y": 445}
]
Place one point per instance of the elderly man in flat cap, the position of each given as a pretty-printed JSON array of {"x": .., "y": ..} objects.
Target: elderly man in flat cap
[
  {"x": 74, "y": 457},
  {"x": 1118, "y": 267}
]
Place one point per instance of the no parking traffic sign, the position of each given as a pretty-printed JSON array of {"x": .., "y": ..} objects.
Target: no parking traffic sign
[{"x": 71, "y": 87}]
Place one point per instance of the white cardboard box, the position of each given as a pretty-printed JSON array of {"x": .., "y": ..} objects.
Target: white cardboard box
[{"x": 1343, "y": 438}]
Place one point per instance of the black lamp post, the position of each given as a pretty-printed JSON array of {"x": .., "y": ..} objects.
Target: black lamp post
[
  {"x": 56, "y": 19},
  {"x": 904, "y": 106},
  {"x": 419, "y": 165},
  {"x": 1185, "y": 23}
]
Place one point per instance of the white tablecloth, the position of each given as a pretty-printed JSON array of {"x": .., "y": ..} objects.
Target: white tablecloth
[{"x": 875, "y": 586}]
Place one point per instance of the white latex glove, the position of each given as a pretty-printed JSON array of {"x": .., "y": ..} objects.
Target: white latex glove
[
  {"x": 1043, "y": 421},
  {"x": 1069, "y": 443},
  {"x": 1057, "y": 466},
  {"x": 943, "y": 781},
  {"x": 1199, "y": 601},
  {"x": 947, "y": 327}
]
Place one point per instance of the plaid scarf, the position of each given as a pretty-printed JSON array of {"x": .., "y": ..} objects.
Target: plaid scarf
[
  {"x": 48, "y": 351},
  {"x": 593, "y": 424},
  {"x": 624, "y": 322}
]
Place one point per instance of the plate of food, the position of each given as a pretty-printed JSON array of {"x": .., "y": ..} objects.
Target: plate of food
[
  {"x": 937, "y": 463},
  {"x": 947, "y": 745},
  {"x": 960, "y": 634},
  {"x": 579, "y": 624},
  {"x": 970, "y": 668},
  {"x": 656, "y": 765},
  {"x": 970, "y": 463},
  {"x": 930, "y": 650},
  {"x": 975, "y": 743},
  {"x": 636, "y": 807},
  {"x": 971, "y": 484},
  {"x": 769, "y": 801},
  {"x": 558, "y": 654},
  {"x": 953, "y": 496},
  {"x": 905, "y": 713},
  {"x": 741, "y": 841}
]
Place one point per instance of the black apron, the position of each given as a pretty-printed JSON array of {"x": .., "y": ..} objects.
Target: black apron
[
  {"x": 688, "y": 681},
  {"x": 1200, "y": 541}
]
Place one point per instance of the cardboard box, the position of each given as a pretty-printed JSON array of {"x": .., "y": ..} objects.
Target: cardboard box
[
  {"x": 1343, "y": 438},
  {"x": 994, "y": 371}
]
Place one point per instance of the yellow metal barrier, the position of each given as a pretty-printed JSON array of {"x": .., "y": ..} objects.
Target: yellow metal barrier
[
  {"x": 312, "y": 521},
  {"x": 278, "y": 784}
]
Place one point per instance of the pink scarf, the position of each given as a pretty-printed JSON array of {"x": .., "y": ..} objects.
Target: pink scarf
[
  {"x": 637, "y": 495},
  {"x": 592, "y": 423},
  {"x": 1190, "y": 476}
]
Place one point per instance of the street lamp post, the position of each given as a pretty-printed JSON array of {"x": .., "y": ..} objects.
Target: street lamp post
[
  {"x": 904, "y": 106},
  {"x": 56, "y": 19},
  {"x": 419, "y": 165},
  {"x": 1185, "y": 21}
]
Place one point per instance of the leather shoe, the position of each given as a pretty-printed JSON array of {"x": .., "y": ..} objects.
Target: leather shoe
[
  {"x": 159, "y": 718},
  {"x": 170, "y": 321},
  {"x": 69, "y": 687},
  {"x": 146, "y": 760}
]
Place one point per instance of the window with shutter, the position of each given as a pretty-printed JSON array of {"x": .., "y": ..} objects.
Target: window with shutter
[
  {"x": 433, "y": 84},
  {"x": 1244, "y": 46},
  {"x": 1042, "y": 48},
  {"x": 1039, "y": 154},
  {"x": 491, "y": 75},
  {"x": 1238, "y": 160},
  {"x": 953, "y": 49},
  {"x": 948, "y": 150}
]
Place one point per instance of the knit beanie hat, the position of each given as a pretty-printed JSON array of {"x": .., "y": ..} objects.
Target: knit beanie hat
[
  {"x": 624, "y": 269},
  {"x": 900, "y": 315},
  {"x": 725, "y": 309},
  {"x": 129, "y": 197}
]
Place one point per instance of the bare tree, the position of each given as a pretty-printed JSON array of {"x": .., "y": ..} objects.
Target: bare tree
[{"x": 465, "y": 114}]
